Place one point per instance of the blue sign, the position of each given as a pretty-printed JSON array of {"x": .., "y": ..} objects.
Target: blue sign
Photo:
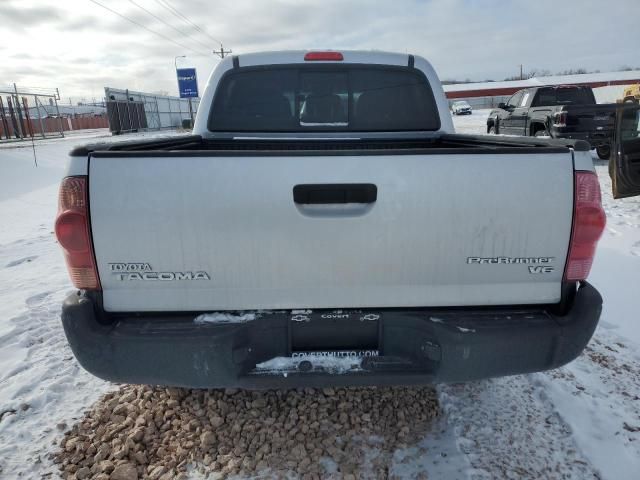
[{"x": 187, "y": 82}]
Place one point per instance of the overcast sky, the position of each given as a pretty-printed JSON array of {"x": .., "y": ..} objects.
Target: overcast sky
[{"x": 81, "y": 48}]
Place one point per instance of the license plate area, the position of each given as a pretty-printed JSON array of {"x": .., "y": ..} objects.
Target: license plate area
[{"x": 334, "y": 333}]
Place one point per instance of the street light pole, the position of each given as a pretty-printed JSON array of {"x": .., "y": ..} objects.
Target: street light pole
[
  {"x": 175, "y": 60},
  {"x": 175, "y": 64}
]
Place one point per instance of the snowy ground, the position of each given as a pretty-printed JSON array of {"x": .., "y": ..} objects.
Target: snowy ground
[
  {"x": 41, "y": 385},
  {"x": 579, "y": 421}
]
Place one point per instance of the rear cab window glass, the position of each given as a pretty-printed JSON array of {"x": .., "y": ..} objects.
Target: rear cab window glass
[
  {"x": 545, "y": 97},
  {"x": 323, "y": 98},
  {"x": 266, "y": 97},
  {"x": 564, "y": 96}
]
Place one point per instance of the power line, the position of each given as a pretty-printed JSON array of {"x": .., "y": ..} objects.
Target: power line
[
  {"x": 180, "y": 15},
  {"x": 146, "y": 28},
  {"x": 177, "y": 13},
  {"x": 169, "y": 25}
]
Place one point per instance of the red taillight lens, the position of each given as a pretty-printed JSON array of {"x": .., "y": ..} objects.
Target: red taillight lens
[
  {"x": 589, "y": 220},
  {"x": 67, "y": 227},
  {"x": 73, "y": 234},
  {"x": 323, "y": 57}
]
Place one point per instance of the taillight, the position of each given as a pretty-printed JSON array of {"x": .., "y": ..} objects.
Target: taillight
[
  {"x": 74, "y": 235},
  {"x": 323, "y": 56},
  {"x": 588, "y": 224},
  {"x": 560, "y": 119}
]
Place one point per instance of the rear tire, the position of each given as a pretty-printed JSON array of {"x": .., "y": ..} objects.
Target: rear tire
[
  {"x": 541, "y": 133},
  {"x": 604, "y": 152},
  {"x": 630, "y": 100},
  {"x": 492, "y": 130}
]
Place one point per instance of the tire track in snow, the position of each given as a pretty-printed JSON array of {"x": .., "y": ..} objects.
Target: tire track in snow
[
  {"x": 508, "y": 429},
  {"x": 580, "y": 421},
  {"x": 504, "y": 428},
  {"x": 41, "y": 384},
  {"x": 598, "y": 395}
]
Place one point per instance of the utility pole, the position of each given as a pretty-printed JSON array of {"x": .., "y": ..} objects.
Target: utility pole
[
  {"x": 521, "y": 74},
  {"x": 222, "y": 52}
]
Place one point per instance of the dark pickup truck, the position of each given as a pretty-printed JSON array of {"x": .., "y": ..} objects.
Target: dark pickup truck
[{"x": 566, "y": 111}]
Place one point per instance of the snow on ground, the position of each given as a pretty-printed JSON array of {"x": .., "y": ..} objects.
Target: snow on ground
[
  {"x": 41, "y": 384},
  {"x": 475, "y": 123},
  {"x": 285, "y": 365},
  {"x": 222, "y": 317},
  {"x": 579, "y": 421}
]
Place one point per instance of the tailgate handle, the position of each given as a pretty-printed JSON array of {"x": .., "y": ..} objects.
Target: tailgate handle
[{"x": 332, "y": 193}]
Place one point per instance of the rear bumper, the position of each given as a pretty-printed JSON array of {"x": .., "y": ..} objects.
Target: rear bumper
[{"x": 416, "y": 346}]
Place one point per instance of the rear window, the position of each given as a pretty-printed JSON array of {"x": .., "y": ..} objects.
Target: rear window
[
  {"x": 323, "y": 98},
  {"x": 564, "y": 96}
]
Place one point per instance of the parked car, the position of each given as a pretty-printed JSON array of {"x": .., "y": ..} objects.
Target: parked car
[
  {"x": 461, "y": 107},
  {"x": 631, "y": 94},
  {"x": 358, "y": 242},
  {"x": 566, "y": 111}
]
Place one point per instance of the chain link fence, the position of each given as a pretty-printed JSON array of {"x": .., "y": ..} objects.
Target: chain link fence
[
  {"x": 131, "y": 111},
  {"x": 34, "y": 113},
  {"x": 21, "y": 114}
]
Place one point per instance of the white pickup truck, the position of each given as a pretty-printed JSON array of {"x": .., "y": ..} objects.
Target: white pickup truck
[{"x": 324, "y": 225}]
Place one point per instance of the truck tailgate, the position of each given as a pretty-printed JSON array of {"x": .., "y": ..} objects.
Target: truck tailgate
[
  {"x": 592, "y": 117},
  {"x": 204, "y": 232}
]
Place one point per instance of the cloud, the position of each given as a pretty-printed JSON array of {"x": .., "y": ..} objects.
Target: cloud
[
  {"x": 86, "y": 23},
  {"x": 19, "y": 16},
  {"x": 81, "y": 47}
]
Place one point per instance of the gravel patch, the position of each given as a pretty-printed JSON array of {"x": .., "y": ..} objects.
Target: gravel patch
[{"x": 142, "y": 432}]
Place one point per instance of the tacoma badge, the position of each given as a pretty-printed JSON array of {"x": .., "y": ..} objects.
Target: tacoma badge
[{"x": 143, "y": 271}]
